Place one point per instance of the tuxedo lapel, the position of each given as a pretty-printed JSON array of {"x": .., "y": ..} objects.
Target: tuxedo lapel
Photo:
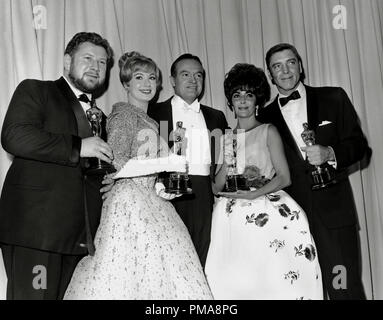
[
  {"x": 312, "y": 108},
  {"x": 169, "y": 115},
  {"x": 83, "y": 127},
  {"x": 211, "y": 125},
  {"x": 91, "y": 182},
  {"x": 166, "y": 114}
]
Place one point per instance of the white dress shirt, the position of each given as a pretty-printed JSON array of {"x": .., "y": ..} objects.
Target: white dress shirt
[
  {"x": 295, "y": 114},
  {"x": 198, "y": 144}
]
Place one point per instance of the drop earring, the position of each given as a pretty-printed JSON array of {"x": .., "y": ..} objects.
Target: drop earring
[
  {"x": 256, "y": 111},
  {"x": 233, "y": 110}
]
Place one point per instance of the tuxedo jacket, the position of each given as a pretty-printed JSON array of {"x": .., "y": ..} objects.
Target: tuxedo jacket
[
  {"x": 333, "y": 118},
  {"x": 43, "y": 196},
  {"x": 215, "y": 122}
]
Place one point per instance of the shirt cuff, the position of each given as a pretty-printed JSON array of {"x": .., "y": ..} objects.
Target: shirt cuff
[{"x": 332, "y": 162}]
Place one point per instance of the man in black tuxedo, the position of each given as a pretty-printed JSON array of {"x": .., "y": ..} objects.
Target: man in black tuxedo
[
  {"x": 50, "y": 209},
  {"x": 204, "y": 126},
  {"x": 339, "y": 143}
]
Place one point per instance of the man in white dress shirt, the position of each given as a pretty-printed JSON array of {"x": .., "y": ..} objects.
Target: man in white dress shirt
[
  {"x": 339, "y": 143},
  {"x": 203, "y": 127}
]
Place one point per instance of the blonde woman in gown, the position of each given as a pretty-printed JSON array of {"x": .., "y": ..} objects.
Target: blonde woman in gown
[
  {"x": 143, "y": 249},
  {"x": 261, "y": 246}
]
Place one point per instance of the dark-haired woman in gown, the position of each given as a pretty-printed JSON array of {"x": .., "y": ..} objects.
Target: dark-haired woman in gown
[{"x": 261, "y": 246}]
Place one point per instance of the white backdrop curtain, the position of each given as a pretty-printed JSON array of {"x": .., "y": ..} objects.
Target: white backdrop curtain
[{"x": 33, "y": 35}]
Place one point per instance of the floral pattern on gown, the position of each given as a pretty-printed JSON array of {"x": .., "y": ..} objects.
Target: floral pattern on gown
[
  {"x": 261, "y": 249},
  {"x": 143, "y": 249}
]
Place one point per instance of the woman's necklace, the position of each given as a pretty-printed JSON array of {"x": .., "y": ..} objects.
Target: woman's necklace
[{"x": 248, "y": 129}]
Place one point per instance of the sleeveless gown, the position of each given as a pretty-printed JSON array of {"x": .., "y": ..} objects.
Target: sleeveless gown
[
  {"x": 143, "y": 249},
  {"x": 262, "y": 248}
]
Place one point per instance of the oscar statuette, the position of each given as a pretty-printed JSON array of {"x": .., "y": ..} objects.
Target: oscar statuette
[
  {"x": 234, "y": 181},
  {"x": 231, "y": 184},
  {"x": 97, "y": 166},
  {"x": 179, "y": 182},
  {"x": 323, "y": 175}
]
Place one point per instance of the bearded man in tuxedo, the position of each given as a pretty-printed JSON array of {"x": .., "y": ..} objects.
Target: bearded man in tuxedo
[{"x": 49, "y": 208}]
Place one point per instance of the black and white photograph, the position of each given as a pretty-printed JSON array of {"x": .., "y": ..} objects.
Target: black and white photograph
[{"x": 210, "y": 151}]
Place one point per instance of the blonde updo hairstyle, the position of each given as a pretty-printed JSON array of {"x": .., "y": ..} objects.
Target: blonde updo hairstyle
[{"x": 133, "y": 61}]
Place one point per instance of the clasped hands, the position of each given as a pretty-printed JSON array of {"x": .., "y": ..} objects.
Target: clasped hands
[{"x": 239, "y": 194}]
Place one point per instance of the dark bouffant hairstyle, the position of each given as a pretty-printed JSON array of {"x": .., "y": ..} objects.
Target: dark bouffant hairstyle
[
  {"x": 280, "y": 47},
  {"x": 91, "y": 37},
  {"x": 185, "y": 56},
  {"x": 244, "y": 76},
  {"x": 132, "y": 61}
]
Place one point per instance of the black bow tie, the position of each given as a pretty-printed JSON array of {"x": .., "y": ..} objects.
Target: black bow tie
[
  {"x": 84, "y": 98},
  {"x": 294, "y": 96}
]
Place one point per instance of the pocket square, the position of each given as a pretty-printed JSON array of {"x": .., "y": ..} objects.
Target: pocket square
[{"x": 323, "y": 123}]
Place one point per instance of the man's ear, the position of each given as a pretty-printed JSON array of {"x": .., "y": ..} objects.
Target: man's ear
[
  {"x": 67, "y": 62},
  {"x": 172, "y": 81}
]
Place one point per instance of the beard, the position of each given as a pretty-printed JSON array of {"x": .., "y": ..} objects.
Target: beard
[{"x": 81, "y": 84}]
